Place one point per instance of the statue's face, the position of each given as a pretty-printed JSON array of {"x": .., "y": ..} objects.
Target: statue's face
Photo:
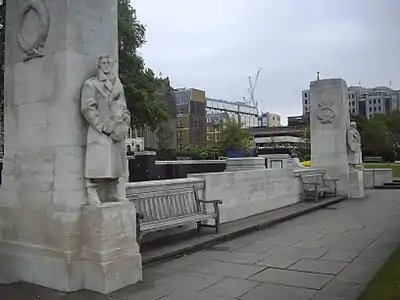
[{"x": 106, "y": 65}]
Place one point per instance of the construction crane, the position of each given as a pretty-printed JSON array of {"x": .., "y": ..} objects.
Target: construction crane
[{"x": 252, "y": 88}]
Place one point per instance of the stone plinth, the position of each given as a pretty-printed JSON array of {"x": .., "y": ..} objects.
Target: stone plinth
[
  {"x": 110, "y": 255},
  {"x": 329, "y": 122},
  {"x": 42, "y": 193},
  {"x": 356, "y": 183},
  {"x": 244, "y": 163}
]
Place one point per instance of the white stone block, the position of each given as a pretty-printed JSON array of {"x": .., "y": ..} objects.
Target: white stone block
[
  {"x": 244, "y": 163},
  {"x": 329, "y": 122},
  {"x": 356, "y": 184},
  {"x": 111, "y": 258}
]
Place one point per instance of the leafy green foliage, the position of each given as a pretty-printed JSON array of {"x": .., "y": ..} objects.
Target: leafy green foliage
[
  {"x": 234, "y": 137},
  {"x": 379, "y": 135},
  {"x": 140, "y": 82}
]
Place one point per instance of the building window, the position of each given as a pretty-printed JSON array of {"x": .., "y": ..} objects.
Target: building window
[
  {"x": 374, "y": 108},
  {"x": 305, "y": 101},
  {"x": 352, "y": 96},
  {"x": 374, "y": 101},
  {"x": 180, "y": 147},
  {"x": 305, "y": 95},
  {"x": 379, "y": 101},
  {"x": 379, "y": 108},
  {"x": 353, "y": 111},
  {"x": 208, "y": 120},
  {"x": 208, "y": 129},
  {"x": 208, "y": 138},
  {"x": 180, "y": 124},
  {"x": 180, "y": 112},
  {"x": 370, "y": 101},
  {"x": 370, "y": 108}
]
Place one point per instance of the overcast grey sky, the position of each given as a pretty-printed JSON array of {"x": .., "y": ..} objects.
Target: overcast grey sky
[{"x": 215, "y": 45}]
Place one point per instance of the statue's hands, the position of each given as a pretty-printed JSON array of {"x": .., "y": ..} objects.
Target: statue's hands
[{"x": 107, "y": 129}]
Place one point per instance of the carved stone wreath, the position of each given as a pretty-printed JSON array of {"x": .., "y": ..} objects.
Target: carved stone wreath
[
  {"x": 32, "y": 49},
  {"x": 326, "y": 114}
]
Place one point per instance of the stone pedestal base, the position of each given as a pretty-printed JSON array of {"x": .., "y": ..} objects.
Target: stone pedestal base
[
  {"x": 356, "y": 184},
  {"x": 96, "y": 248},
  {"x": 244, "y": 163},
  {"x": 110, "y": 254}
]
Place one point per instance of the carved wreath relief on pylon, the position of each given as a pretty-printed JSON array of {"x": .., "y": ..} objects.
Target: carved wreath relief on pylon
[
  {"x": 33, "y": 49},
  {"x": 326, "y": 114}
]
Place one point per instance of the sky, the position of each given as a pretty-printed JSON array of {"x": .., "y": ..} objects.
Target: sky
[{"x": 215, "y": 45}]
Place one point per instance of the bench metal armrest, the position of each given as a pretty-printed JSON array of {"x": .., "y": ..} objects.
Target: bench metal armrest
[{"x": 215, "y": 203}]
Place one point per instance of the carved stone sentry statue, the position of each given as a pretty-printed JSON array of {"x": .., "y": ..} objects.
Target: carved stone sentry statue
[
  {"x": 354, "y": 146},
  {"x": 104, "y": 107}
]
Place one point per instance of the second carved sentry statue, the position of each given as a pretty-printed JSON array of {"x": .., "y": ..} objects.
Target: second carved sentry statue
[
  {"x": 104, "y": 107},
  {"x": 354, "y": 146}
]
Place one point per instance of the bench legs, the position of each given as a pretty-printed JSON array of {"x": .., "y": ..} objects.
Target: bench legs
[{"x": 217, "y": 225}]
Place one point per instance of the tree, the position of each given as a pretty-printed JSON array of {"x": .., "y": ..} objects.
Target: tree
[
  {"x": 234, "y": 137},
  {"x": 140, "y": 82}
]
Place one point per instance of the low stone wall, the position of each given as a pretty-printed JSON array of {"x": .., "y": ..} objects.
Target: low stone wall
[
  {"x": 250, "y": 192},
  {"x": 374, "y": 177}
]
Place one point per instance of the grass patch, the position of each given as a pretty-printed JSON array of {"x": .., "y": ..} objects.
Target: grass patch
[
  {"x": 394, "y": 167},
  {"x": 386, "y": 283}
]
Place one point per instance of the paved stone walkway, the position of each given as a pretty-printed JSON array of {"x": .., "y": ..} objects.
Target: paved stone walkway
[{"x": 330, "y": 254}]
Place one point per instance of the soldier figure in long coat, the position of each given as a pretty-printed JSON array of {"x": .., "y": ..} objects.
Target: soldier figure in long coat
[
  {"x": 354, "y": 146},
  {"x": 104, "y": 107}
]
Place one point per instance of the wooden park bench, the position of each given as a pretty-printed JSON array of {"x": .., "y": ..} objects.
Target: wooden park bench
[
  {"x": 173, "y": 208},
  {"x": 315, "y": 185}
]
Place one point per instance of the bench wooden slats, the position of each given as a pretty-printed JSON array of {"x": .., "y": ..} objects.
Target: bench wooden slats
[{"x": 161, "y": 210}]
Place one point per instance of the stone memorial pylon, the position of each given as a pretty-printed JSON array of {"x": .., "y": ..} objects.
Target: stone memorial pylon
[
  {"x": 330, "y": 120},
  {"x": 48, "y": 234}
]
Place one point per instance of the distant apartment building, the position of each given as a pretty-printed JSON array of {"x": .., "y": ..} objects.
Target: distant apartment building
[
  {"x": 299, "y": 121},
  {"x": 364, "y": 101},
  {"x": 191, "y": 117},
  {"x": 269, "y": 120},
  {"x": 245, "y": 114},
  {"x": 214, "y": 127}
]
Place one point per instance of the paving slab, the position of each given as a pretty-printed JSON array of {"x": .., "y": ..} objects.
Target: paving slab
[
  {"x": 293, "y": 278},
  {"x": 318, "y": 266},
  {"x": 339, "y": 256},
  {"x": 234, "y": 257},
  {"x": 279, "y": 261},
  {"x": 300, "y": 252},
  {"x": 361, "y": 270},
  {"x": 226, "y": 269},
  {"x": 267, "y": 291},
  {"x": 336, "y": 290},
  {"x": 231, "y": 288}
]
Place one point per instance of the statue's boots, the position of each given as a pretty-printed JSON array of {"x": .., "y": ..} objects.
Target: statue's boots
[
  {"x": 113, "y": 192},
  {"x": 92, "y": 193}
]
